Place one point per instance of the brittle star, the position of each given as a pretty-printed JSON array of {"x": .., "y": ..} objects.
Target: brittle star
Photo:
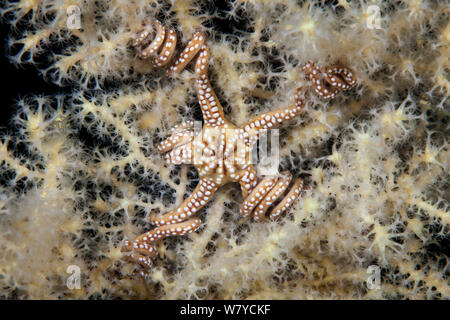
[{"x": 221, "y": 152}]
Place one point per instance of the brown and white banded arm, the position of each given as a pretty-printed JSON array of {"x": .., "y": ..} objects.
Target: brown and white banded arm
[
  {"x": 143, "y": 248},
  {"x": 181, "y": 155},
  {"x": 269, "y": 120},
  {"x": 212, "y": 109},
  {"x": 178, "y": 146},
  {"x": 268, "y": 192},
  {"x": 258, "y": 193},
  {"x": 140, "y": 252},
  {"x": 330, "y": 83},
  {"x": 288, "y": 199},
  {"x": 209, "y": 103},
  {"x": 248, "y": 181},
  {"x": 161, "y": 48},
  {"x": 176, "y": 229},
  {"x": 188, "y": 54},
  {"x": 202, "y": 193},
  {"x": 177, "y": 139}
]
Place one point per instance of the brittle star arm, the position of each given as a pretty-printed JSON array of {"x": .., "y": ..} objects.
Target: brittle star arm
[
  {"x": 176, "y": 223},
  {"x": 143, "y": 247},
  {"x": 178, "y": 146},
  {"x": 267, "y": 192},
  {"x": 211, "y": 108},
  {"x": 202, "y": 193},
  {"x": 329, "y": 83},
  {"x": 248, "y": 181},
  {"x": 181, "y": 155},
  {"x": 271, "y": 119},
  {"x": 169, "y": 38}
]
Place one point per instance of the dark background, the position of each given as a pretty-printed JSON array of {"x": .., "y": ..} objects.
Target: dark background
[{"x": 18, "y": 81}]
